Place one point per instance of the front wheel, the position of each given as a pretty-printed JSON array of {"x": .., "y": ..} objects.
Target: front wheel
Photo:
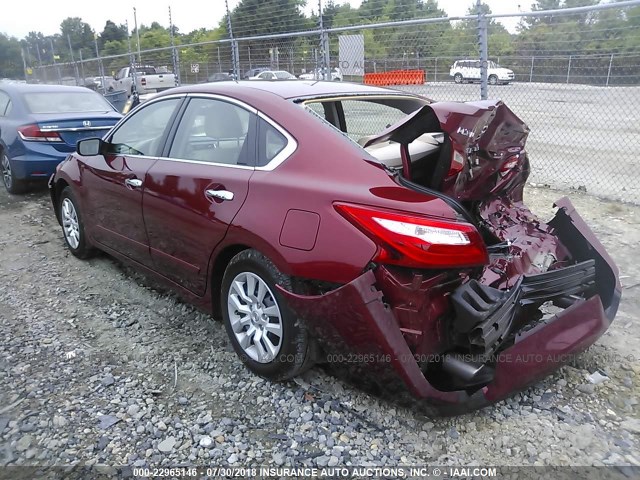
[
  {"x": 457, "y": 78},
  {"x": 11, "y": 183},
  {"x": 264, "y": 332},
  {"x": 72, "y": 226}
]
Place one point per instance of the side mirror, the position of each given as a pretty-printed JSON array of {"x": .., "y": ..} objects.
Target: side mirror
[{"x": 90, "y": 147}]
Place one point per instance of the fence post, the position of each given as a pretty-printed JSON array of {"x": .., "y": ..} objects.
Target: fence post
[
  {"x": 24, "y": 65},
  {"x": 81, "y": 67},
  {"x": 75, "y": 65},
  {"x": 44, "y": 71},
  {"x": 484, "y": 51},
  {"x": 569, "y": 69},
  {"x": 609, "y": 71},
  {"x": 53, "y": 57},
  {"x": 174, "y": 53},
  {"x": 531, "y": 71},
  {"x": 435, "y": 71},
  {"x": 235, "y": 55},
  {"x": 324, "y": 45}
]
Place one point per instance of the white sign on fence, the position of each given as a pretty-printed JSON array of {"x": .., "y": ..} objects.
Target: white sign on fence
[
  {"x": 351, "y": 54},
  {"x": 195, "y": 68}
]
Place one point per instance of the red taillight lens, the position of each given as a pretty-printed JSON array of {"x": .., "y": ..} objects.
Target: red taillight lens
[
  {"x": 415, "y": 241},
  {"x": 143, "y": 81},
  {"x": 32, "y": 133}
]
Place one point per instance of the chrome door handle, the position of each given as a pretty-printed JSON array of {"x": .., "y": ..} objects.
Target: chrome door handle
[
  {"x": 220, "y": 194},
  {"x": 133, "y": 182}
]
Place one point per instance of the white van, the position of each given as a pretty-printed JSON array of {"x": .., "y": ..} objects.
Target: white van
[{"x": 469, "y": 71}]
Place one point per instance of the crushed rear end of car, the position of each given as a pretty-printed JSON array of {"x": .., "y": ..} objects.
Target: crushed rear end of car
[{"x": 469, "y": 333}]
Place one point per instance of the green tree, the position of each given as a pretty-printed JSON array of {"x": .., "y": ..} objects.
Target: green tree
[
  {"x": 10, "y": 58},
  {"x": 265, "y": 17},
  {"x": 80, "y": 35},
  {"x": 112, "y": 33}
]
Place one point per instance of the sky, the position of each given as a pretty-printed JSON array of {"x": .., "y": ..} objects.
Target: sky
[{"x": 46, "y": 15}]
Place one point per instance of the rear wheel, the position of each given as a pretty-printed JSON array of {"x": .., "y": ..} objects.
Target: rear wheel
[
  {"x": 72, "y": 226},
  {"x": 493, "y": 80},
  {"x": 264, "y": 332},
  {"x": 11, "y": 183},
  {"x": 457, "y": 78}
]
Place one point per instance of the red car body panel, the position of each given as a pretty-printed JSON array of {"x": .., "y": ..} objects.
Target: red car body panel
[
  {"x": 114, "y": 207},
  {"x": 396, "y": 319},
  {"x": 178, "y": 248}
]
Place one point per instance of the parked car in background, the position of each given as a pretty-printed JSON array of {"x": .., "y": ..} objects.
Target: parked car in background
[
  {"x": 274, "y": 75},
  {"x": 318, "y": 74},
  {"x": 252, "y": 72},
  {"x": 148, "y": 79},
  {"x": 220, "y": 77},
  {"x": 95, "y": 83},
  {"x": 386, "y": 235},
  {"x": 469, "y": 71},
  {"x": 41, "y": 124}
]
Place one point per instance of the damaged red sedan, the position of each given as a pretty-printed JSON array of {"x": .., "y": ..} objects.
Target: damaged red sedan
[{"x": 325, "y": 220}]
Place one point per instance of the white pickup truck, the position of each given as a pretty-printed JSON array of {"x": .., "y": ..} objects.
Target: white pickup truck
[{"x": 148, "y": 79}]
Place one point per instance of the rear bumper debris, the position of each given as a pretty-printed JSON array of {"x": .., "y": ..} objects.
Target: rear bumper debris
[{"x": 354, "y": 320}]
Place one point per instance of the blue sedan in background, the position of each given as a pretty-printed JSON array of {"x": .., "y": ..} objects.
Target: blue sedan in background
[{"x": 41, "y": 124}]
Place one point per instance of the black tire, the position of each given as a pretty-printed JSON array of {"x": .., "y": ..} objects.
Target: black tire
[
  {"x": 458, "y": 78},
  {"x": 82, "y": 249},
  {"x": 294, "y": 355},
  {"x": 11, "y": 183},
  {"x": 493, "y": 80}
]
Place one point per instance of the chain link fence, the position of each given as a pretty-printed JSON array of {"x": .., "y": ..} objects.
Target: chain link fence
[{"x": 579, "y": 94}]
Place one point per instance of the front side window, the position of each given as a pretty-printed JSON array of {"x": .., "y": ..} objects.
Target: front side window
[
  {"x": 142, "y": 132},
  {"x": 213, "y": 131}
]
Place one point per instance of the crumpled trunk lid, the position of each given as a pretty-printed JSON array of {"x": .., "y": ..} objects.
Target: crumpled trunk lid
[{"x": 485, "y": 152}]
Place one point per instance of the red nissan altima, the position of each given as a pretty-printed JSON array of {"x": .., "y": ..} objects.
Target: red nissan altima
[{"x": 325, "y": 220}]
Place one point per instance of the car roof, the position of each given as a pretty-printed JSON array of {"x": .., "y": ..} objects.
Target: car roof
[
  {"x": 288, "y": 89},
  {"x": 37, "y": 88}
]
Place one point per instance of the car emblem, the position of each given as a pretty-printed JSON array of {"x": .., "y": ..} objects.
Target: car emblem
[{"x": 86, "y": 123}]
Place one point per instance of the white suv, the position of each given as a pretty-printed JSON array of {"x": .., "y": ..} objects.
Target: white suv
[{"x": 469, "y": 71}]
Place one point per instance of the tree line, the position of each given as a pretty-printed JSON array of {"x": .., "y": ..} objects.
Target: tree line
[{"x": 606, "y": 31}]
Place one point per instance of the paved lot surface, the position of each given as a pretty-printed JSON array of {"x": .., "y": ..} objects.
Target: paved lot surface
[
  {"x": 100, "y": 366},
  {"x": 581, "y": 136}
]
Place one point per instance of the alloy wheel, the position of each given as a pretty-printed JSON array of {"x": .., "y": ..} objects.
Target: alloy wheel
[
  {"x": 70, "y": 223},
  {"x": 255, "y": 317},
  {"x": 7, "y": 176}
]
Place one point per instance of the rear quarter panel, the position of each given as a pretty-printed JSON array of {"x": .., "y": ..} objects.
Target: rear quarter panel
[{"x": 325, "y": 168}]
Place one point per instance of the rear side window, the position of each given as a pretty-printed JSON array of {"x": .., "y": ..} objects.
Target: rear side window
[
  {"x": 213, "y": 131},
  {"x": 66, "y": 102},
  {"x": 270, "y": 143}
]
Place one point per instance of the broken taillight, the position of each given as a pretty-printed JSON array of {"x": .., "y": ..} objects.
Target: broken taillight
[
  {"x": 411, "y": 240},
  {"x": 33, "y": 133}
]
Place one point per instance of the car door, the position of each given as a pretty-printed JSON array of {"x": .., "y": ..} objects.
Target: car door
[
  {"x": 195, "y": 190},
  {"x": 114, "y": 182}
]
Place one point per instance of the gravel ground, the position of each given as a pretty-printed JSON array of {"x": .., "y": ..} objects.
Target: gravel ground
[{"x": 100, "y": 367}]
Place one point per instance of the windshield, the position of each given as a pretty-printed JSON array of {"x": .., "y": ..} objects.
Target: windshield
[
  {"x": 283, "y": 75},
  {"x": 66, "y": 102}
]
